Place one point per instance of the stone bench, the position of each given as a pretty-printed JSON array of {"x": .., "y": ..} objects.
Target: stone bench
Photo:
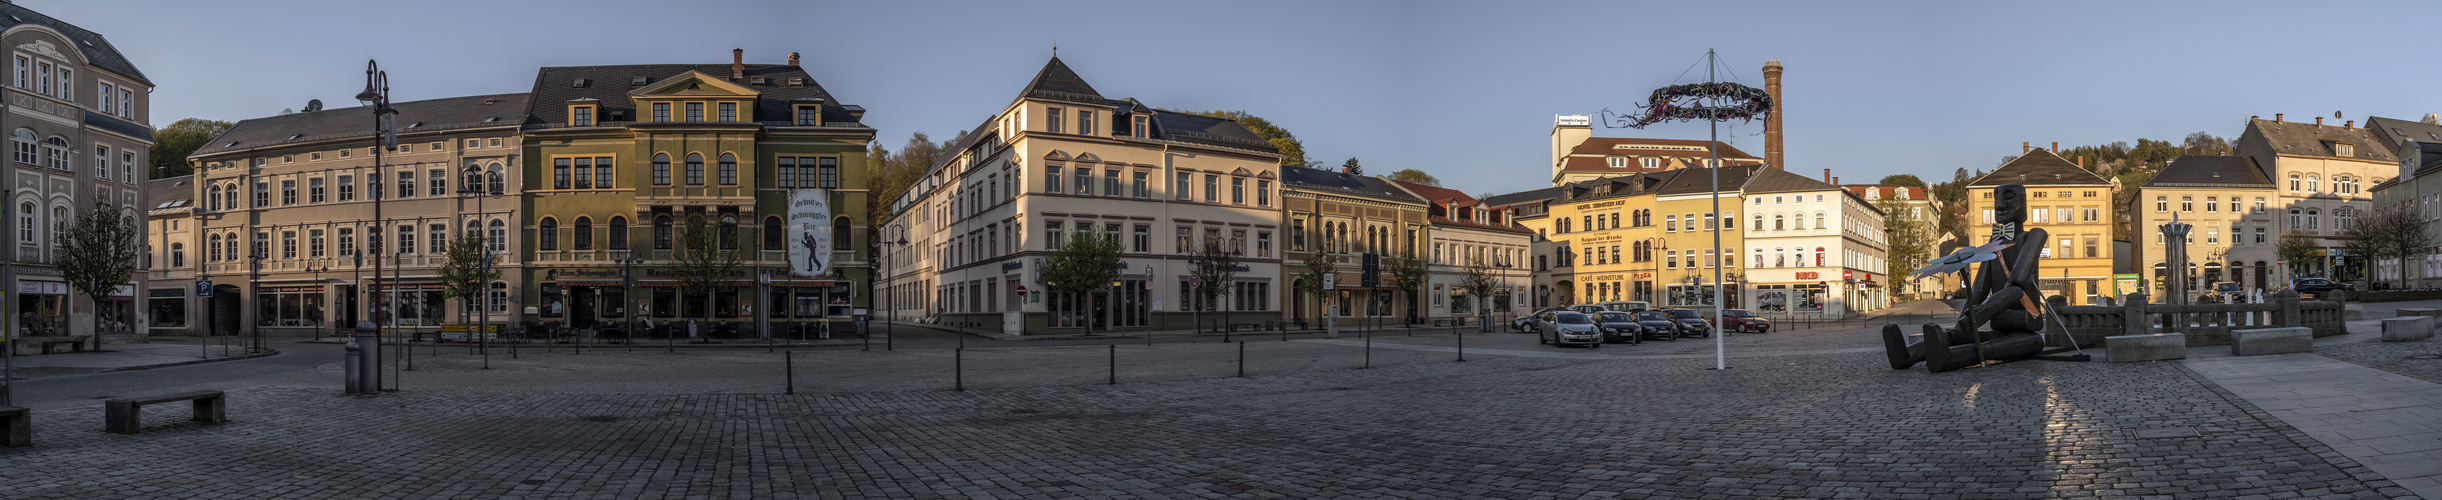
[
  {"x": 126, "y": 415},
  {"x": 2155, "y": 347},
  {"x": 2408, "y": 328},
  {"x": 2417, "y": 311},
  {"x": 16, "y": 427},
  {"x": 2262, "y": 341}
]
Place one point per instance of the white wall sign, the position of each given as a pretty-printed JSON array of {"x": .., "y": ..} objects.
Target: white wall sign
[{"x": 810, "y": 218}]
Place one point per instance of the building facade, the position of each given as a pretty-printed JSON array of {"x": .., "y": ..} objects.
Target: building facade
[
  {"x": 2069, "y": 203},
  {"x": 1062, "y": 161},
  {"x": 2227, "y": 201},
  {"x": 1462, "y": 232},
  {"x": 1813, "y": 248},
  {"x": 1912, "y": 203},
  {"x": 2322, "y": 173},
  {"x": 170, "y": 246},
  {"x": 1347, "y": 220},
  {"x": 1578, "y": 156},
  {"x": 77, "y": 130}
]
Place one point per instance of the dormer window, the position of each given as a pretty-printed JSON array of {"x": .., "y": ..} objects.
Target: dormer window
[
  {"x": 1651, "y": 163},
  {"x": 809, "y": 114},
  {"x": 1139, "y": 129},
  {"x": 581, "y": 115},
  {"x": 1873, "y": 194},
  {"x": 637, "y": 81},
  {"x": 1618, "y": 162},
  {"x": 2344, "y": 149}
]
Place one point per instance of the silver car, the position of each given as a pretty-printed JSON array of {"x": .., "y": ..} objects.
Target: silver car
[{"x": 1569, "y": 327}]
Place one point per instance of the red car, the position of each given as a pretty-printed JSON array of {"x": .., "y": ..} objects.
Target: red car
[{"x": 1740, "y": 320}]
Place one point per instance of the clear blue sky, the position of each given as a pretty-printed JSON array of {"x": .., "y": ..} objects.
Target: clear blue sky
[{"x": 1465, "y": 91}]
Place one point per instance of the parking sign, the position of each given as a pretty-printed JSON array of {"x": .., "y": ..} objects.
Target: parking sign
[{"x": 203, "y": 288}]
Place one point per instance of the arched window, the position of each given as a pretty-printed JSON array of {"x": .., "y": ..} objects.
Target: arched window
[
  {"x": 695, "y": 169},
  {"x": 661, "y": 232},
  {"x": 27, "y": 150},
  {"x": 212, "y": 248},
  {"x": 661, "y": 169},
  {"x": 55, "y": 150},
  {"x": 2313, "y": 219},
  {"x": 618, "y": 233},
  {"x": 178, "y": 255},
  {"x": 494, "y": 181},
  {"x": 774, "y": 238},
  {"x": 2343, "y": 217},
  {"x": 2293, "y": 182},
  {"x": 584, "y": 236},
  {"x": 839, "y": 233},
  {"x": 547, "y": 235},
  {"x": 1759, "y": 220},
  {"x": 1780, "y": 222},
  {"x": 59, "y": 226},
  {"x": 729, "y": 233},
  {"x": 2295, "y": 222},
  {"x": 1819, "y": 221},
  {"x": 1759, "y": 257},
  {"x": 473, "y": 176},
  {"x": 473, "y": 228},
  {"x": 1819, "y": 260},
  {"x": 2313, "y": 183},
  {"x": 499, "y": 236},
  {"x": 729, "y": 169}
]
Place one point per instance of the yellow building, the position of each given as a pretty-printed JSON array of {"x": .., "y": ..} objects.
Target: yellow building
[{"x": 2071, "y": 204}]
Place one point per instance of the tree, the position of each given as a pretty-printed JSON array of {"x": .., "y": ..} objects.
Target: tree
[
  {"x": 1903, "y": 180},
  {"x": 2295, "y": 248},
  {"x": 464, "y": 275},
  {"x": 99, "y": 255},
  {"x": 1352, "y": 167},
  {"x": 1217, "y": 268},
  {"x": 173, "y": 143},
  {"x": 1409, "y": 273},
  {"x": 1087, "y": 263},
  {"x": 1318, "y": 265},
  {"x": 1292, "y": 152},
  {"x": 1912, "y": 238},
  {"x": 2387, "y": 232},
  {"x": 705, "y": 262},
  {"x": 893, "y": 174},
  {"x": 1414, "y": 176},
  {"x": 1479, "y": 279}
]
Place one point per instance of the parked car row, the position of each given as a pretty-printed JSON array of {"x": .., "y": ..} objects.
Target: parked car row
[{"x": 1595, "y": 325}]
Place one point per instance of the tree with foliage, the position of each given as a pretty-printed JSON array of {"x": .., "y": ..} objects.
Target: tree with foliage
[
  {"x": 1409, "y": 273},
  {"x": 1912, "y": 239},
  {"x": 1085, "y": 264},
  {"x": 1903, "y": 180},
  {"x": 464, "y": 273},
  {"x": 1310, "y": 282},
  {"x": 1414, "y": 176},
  {"x": 892, "y": 174},
  {"x": 1292, "y": 152},
  {"x": 99, "y": 255},
  {"x": 2388, "y": 232},
  {"x": 2295, "y": 248},
  {"x": 1351, "y": 167},
  {"x": 173, "y": 143},
  {"x": 705, "y": 262},
  {"x": 1480, "y": 279},
  {"x": 1217, "y": 267}
]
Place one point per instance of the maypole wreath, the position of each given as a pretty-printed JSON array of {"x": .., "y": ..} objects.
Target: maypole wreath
[{"x": 1682, "y": 103}]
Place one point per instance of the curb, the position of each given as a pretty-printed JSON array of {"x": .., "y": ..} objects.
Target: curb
[{"x": 267, "y": 352}]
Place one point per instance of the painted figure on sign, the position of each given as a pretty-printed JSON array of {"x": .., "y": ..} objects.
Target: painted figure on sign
[{"x": 813, "y": 251}]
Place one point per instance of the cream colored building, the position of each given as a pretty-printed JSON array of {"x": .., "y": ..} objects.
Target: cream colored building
[
  {"x": 2227, "y": 201},
  {"x": 2069, "y": 203},
  {"x": 1062, "y": 160},
  {"x": 2323, "y": 174},
  {"x": 76, "y": 115}
]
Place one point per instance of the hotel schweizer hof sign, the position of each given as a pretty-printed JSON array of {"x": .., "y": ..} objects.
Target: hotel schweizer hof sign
[{"x": 810, "y": 218}]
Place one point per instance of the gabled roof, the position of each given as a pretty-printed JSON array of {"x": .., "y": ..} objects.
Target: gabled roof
[
  {"x": 96, "y": 49},
  {"x": 2429, "y": 156},
  {"x": 1335, "y": 181},
  {"x": 2394, "y": 131},
  {"x": 1206, "y": 130},
  {"x": 554, "y": 87},
  {"x": 169, "y": 195},
  {"x": 498, "y": 110},
  {"x": 2308, "y": 139},
  {"x": 1774, "y": 180},
  {"x": 1608, "y": 146},
  {"x": 1887, "y": 191},
  {"x": 1700, "y": 180},
  {"x": 2211, "y": 171},
  {"x": 1057, "y": 82},
  {"x": 2039, "y": 167},
  {"x": 1438, "y": 194},
  {"x": 1522, "y": 197}
]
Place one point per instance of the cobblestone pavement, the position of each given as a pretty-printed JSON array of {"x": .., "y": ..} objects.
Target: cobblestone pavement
[
  {"x": 1828, "y": 425},
  {"x": 2394, "y": 357}
]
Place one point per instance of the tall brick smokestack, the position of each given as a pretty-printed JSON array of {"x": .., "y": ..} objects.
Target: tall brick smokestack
[{"x": 1772, "y": 123}]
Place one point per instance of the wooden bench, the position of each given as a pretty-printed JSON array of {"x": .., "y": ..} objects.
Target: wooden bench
[
  {"x": 125, "y": 415},
  {"x": 16, "y": 427}
]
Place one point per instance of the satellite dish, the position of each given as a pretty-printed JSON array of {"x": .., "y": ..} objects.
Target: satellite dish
[{"x": 312, "y": 105}]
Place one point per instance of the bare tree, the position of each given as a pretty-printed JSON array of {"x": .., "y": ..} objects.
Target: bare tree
[
  {"x": 99, "y": 255},
  {"x": 1481, "y": 279},
  {"x": 706, "y": 262},
  {"x": 1318, "y": 265}
]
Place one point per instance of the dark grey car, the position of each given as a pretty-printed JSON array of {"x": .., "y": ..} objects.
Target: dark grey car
[
  {"x": 1620, "y": 327},
  {"x": 1658, "y": 325}
]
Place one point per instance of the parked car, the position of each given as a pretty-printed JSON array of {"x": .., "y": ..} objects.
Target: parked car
[
  {"x": 1741, "y": 320},
  {"x": 1528, "y": 323},
  {"x": 2230, "y": 292},
  {"x": 1588, "y": 308},
  {"x": 2318, "y": 285},
  {"x": 1626, "y": 305},
  {"x": 1569, "y": 327},
  {"x": 1692, "y": 322},
  {"x": 1658, "y": 325},
  {"x": 1620, "y": 327}
]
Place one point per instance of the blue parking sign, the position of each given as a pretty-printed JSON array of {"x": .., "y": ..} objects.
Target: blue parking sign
[{"x": 203, "y": 289}]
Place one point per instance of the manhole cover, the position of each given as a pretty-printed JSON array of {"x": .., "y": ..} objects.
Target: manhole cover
[
  {"x": 2426, "y": 356},
  {"x": 598, "y": 418},
  {"x": 2166, "y": 432}
]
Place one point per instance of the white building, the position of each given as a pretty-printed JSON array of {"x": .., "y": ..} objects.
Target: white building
[
  {"x": 1462, "y": 230},
  {"x": 1814, "y": 248}
]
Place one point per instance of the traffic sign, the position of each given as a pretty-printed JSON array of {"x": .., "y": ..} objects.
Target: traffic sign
[
  {"x": 1330, "y": 281},
  {"x": 203, "y": 289},
  {"x": 1194, "y": 281}
]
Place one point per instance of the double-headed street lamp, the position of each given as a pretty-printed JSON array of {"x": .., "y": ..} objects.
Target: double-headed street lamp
[
  {"x": 385, "y": 136},
  {"x": 483, "y": 302}
]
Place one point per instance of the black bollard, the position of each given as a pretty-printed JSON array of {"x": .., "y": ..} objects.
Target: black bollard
[
  {"x": 1242, "y": 360},
  {"x": 958, "y": 364},
  {"x": 788, "y": 361},
  {"x": 1114, "y": 364}
]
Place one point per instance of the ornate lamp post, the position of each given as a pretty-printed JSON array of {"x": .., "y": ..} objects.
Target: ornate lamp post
[{"x": 385, "y": 137}]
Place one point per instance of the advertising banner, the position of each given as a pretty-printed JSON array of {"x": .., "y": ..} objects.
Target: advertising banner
[{"x": 809, "y": 233}]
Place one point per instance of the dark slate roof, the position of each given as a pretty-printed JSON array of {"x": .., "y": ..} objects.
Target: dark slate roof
[
  {"x": 1774, "y": 180},
  {"x": 1057, "y": 82},
  {"x": 2039, "y": 167},
  {"x": 2211, "y": 171},
  {"x": 2429, "y": 155},
  {"x": 1700, "y": 180},
  {"x": 97, "y": 49},
  {"x": 555, "y": 86},
  {"x": 170, "y": 195},
  {"x": 2308, "y": 139},
  {"x": 1199, "y": 129},
  {"x": 353, "y": 122},
  {"x": 1332, "y": 180},
  {"x": 2394, "y": 131},
  {"x": 1503, "y": 200},
  {"x": 114, "y": 124}
]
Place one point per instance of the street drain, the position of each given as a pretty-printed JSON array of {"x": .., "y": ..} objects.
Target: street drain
[
  {"x": 598, "y": 418},
  {"x": 2166, "y": 432},
  {"x": 2426, "y": 356}
]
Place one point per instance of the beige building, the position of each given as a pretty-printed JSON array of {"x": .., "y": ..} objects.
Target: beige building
[
  {"x": 170, "y": 246},
  {"x": 2070, "y": 203},
  {"x": 2415, "y": 188},
  {"x": 1461, "y": 230},
  {"x": 1348, "y": 219},
  {"x": 2323, "y": 174},
  {"x": 286, "y": 215},
  {"x": 77, "y": 115},
  {"x": 1914, "y": 204},
  {"x": 2227, "y": 201}
]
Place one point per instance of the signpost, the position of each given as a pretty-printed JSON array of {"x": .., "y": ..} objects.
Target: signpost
[{"x": 203, "y": 289}]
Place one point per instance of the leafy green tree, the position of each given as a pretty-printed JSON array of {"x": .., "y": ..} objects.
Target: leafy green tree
[
  {"x": 463, "y": 273},
  {"x": 1903, "y": 180},
  {"x": 99, "y": 255},
  {"x": 1292, "y": 152},
  {"x": 1414, "y": 176},
  {"x": 173, "y": 143},
  {"x": 1352, "y": 167},
  {"x": 1409, "y": 273},
  {"x": 705, "y": 262},
  {"x": 1087, "y": 263},
  {"x": 1912, "y": 238},
  {"x": 893, "y": 173},
  {"x": 2295, "y": 248}
]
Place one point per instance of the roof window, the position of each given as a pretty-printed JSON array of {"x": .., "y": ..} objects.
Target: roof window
[
  {"x": 758, "y": 81},
  {"x": 579, "y": 83},
  {"x": 295, "y": 137},
  {"x": 637, "y": 81},
  {"x": 797, "y": 82}
]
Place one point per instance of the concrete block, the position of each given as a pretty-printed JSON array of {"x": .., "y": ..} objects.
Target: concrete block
[
  {"x": 2417, "y": 311},
  {"x": 2410, "y": 328},
  {"x": 2262, "y": 341},
  {"x": 2155, "y": 347},
  {"x": 2352, "y": 312}
]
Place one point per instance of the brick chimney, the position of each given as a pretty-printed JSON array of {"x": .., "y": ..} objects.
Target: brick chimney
[
  {"x": 2352, "y": 124},
  {"x": 1827, "y": 176},
  {"x": 2276, "y": 118},
  {"x": 2024, "y": 147},
  {"x": 2081, "y": 161},
  {"x": 2055, "y": 147},
  {"x": 2319, "y": 121},
  {"x": 792, "y": 58},
  {"x": 737, "y": 64},
  {"x": 1835, "y": 181},
  {"x": 1772, "y": 122}
]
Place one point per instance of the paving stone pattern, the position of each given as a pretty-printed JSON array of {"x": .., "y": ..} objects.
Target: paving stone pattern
[
  {"x": 2394, "y": 357},
  {"x": 1821, "y": 426}
]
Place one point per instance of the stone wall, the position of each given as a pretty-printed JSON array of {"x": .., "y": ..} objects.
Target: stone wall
[{"x": 2204, "y": 324}]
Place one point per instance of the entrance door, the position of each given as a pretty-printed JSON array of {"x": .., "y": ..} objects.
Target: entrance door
[
  {"x": 2260, "y": 278},
  {"x": 581, "y": 306},
  {"x": 226, "y": 317},
  {"x": 1102, "y": 311}
]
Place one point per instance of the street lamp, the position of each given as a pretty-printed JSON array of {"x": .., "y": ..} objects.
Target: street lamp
[
  {"x": 254, "y": 284},
  {"x": 627, "y": 286},
  {"x": 763, "y": 289},
  {"x": 385, "y": 136},
  {"x": 890, "y": 329}
]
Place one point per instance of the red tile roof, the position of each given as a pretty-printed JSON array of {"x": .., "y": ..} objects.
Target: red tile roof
[{"x": 1605, "y": 146}]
